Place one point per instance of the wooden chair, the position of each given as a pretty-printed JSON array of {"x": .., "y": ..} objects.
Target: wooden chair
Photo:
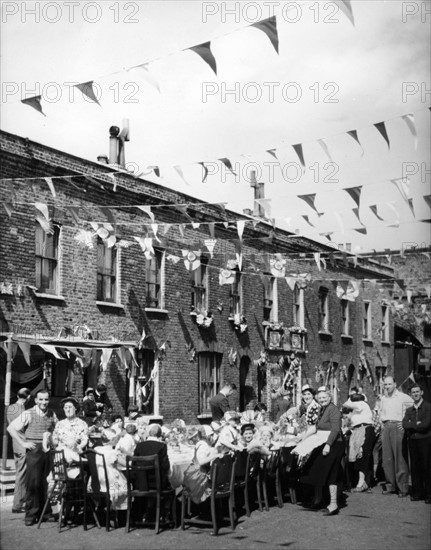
[
  {"x": 72, "y": 492},
  {"x": 271, "y": 471},
  {"x": 288, "y": 472},
  {"x": 241, "y": 478},
  {"x": 147, "y": 467},
  {"x": 222, "y": 479},
  {"x": 102, "y": 498}
]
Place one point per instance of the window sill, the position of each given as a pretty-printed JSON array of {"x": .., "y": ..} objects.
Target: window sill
[
  {"x": 385, "y": 343},
  {"x": 204, "y": 416},
  {"x": 109, "y": 304},
  {"x": 156, "y": 310},
  {"x": 49, "y": 296},
  {"x": 347, "y": 337},
  {"x": 150, "y": 417},
  {"x": 367, "y": 341},
  {"x": 325, "y": 333}
]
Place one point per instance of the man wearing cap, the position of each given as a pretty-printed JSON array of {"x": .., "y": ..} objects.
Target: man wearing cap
[
  {"x": 14, "y": 411},
  {"x": 393, "y": 406},
  {"x": 220, "y": 403},
  {"x": 28, "y": 430}
]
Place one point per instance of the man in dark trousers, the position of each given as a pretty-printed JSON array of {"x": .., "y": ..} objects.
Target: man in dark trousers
[
  {"x": 153, "y": 445},
  {"x": 417, "y": 423},
  {"x": 28, "y": 430},
  {"x": 220, "y": 403}
]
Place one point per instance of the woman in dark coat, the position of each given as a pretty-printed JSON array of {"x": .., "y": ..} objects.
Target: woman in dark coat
[{"x": 323, "y": 468}]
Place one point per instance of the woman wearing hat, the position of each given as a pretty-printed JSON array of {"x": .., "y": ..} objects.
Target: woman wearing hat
[
  {"x": 70, "y": 434},
  {"x": 323, "y": 468},
  {"x": 89, "y": 406}
]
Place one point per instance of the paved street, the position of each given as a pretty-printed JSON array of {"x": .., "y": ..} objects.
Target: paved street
[{"x": 370, "y": 521}]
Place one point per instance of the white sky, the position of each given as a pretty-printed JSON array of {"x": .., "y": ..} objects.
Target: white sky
[{"x": 368, "y": 65}]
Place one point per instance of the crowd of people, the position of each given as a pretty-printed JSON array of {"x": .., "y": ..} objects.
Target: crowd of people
[{"x": 326, "y": 448}]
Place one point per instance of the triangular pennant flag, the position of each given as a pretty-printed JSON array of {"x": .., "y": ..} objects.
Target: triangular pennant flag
[
  {"x": 180, "y": 173},
  {"x": 309, "y": 199},
  {"x": 205, "y": 175},
  {"x": 427, "y": 199},
  {"x": 157, "y": 171},
  {"x": 410, "y": 204},
  {"x": 381, "y": 127},
  {"x": 166, "y": 227},
  {"x": 173, "y": 259},
  {"x": 85, "y": 238},
  {"x": 147, "y": 210},
  {"x": 45, "y": 224},
  {"x": 356, "y": 212},
  {"x": 204, "y": 51},
  {"x": 196, "y": 225},
  {"x": 327, "y": 235},
  {"x": 306, "y": 218},
  {"x": 410, "y": 121},
  {"x": 269, "y": 27},
  {"x": 240, "y": 224},
  {"x": 211, "y": 229},
  {"x": 266, "y": 205},
  {"x": 403, "y": 186},
  {"x": 155, "y": 228},
  {"x": 34, "y": 102},
  {"x": 106, "y": 357},
  {"x": 108, "y": 213},
  {"x": 52, "y": 350},
  {"x": 291, "y": 281},
  {"x": 87, "y": 89},
  {"x": 210, "y": 244},
  {"x": 346, "y": 7},
  {"x": 181, "y": 229},
  {"x": 51, "y": 186},
  {"x": 43, "y": 208},
  {"x": 74, "y": 212},
  {"x": 354, "y": 135},
  {"x": 299, "y": 152},
  {"x": 362, "y": 230},
  {"x": 8, "y": 207},
  {"x": 323, "y": 145},
  {"x": 228, "y": 164},
  {"x": 373, "y": 209},
  {"x": 25, "y": 348},
  {"x": 317, "y": 260},
  {"x": 110, "y": 241},
  {"x": 272, "y": 153},
  {"x": 355, "y": 193},
  {"x": 146, "y": 75},
  {"x": 352, "y": 291}
]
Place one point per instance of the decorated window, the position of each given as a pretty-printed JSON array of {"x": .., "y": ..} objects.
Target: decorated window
[
  {"x": 154, "y": 296},
  {"x": 145, "y": 381},
  {"x": 209, "y": 378},
  {"x": 345, "y": 317},
  {"x": 47, "y": 260},
  {"x": 323, "y": 310},
  {"x": 106, "y": 272},
  {"x": 270, "y": 308},
  {"x": 200, "y": 286},
  {"x": 385, "y": 323},
  {"x": 366, "y": 321},
  {"x": 235, "y": 295},
  {"x": 298, "y": 306}
]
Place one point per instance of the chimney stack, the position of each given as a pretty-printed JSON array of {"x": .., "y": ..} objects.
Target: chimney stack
[
  {"x": 116, "y": 143},
  {"x": 259, "y": 193}
]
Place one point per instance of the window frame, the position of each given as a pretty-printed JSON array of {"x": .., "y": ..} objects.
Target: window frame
[
  {"x": 385, "y": 335},
  {"x": 235, "y": 298},
  {"x": 345, "y": 317},
  {"x": 53, "y": 261},
  {"x": 298, "y": 310},
  {"x": 323, "y": 309},
  {"x": 115, "y": 287},
  {"x": 366, "y": 320},
  {"x": 200, "y": 286},
  {"x": 270, "y": 294},
  {"x": 159, "y": 260},
  {"x": 210, "y": 378}
]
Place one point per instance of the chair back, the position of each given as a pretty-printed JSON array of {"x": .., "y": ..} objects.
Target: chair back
[
  {"x": 143, "y": 473},
  {"x": 241, "y": 465},
  {"x": 221, "y": 473},
  {"x": 273, "y": 462},
  {"x": 59, "y": 466},
  {"x": 94, "y": 461}
]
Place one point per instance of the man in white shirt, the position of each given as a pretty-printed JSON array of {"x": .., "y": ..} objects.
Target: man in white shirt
[{"x": 394, "y": 404}]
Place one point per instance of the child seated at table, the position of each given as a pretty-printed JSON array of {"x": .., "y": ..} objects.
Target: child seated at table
[
  {"x": 229, "y": 436},
  {"x": 127, "y": 442}
]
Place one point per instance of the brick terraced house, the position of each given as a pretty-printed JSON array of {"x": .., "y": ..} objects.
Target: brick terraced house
[{"x": 104, "y": 277}]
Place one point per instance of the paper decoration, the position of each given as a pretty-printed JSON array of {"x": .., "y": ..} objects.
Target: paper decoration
[
  {"x": 85, "y": 238},
  {"x": 373, "y": 209},
  {"x": 355, "y": 193},
  {"x": 382, "y": 129},
  {"x": 317, "y": 260},
  {"x": 323, "y": 145},
  {"x": 210, "y": 244},
  {"x": 346, "y": 7},
  {"x": 266, "y": 205},
  {"x": 204, "y": 51},
  {"x": 306, "y": 218},
  {"x": 43, "y": 208},
  {"x": 299, "y": 152},
  {"x": 410, "y": 121},
  {"x": 147, "y": 210},
  {"x": 226, "y": 277},
  {"x": 8, "y": 207},
  {"x": 146, "y": 76},
  {"x": 291, "y": 281},
  {"x": 173, "y": 259},
  {"x": 105, "y": 358},
  {"x": 272, "y": 153},
  {"x": 277, "y": 266},
  {"x": 34, "y": 102},
  {"x": 147, "y": 246},
  {"x": 356, "y": 212},
  {"x": 191, "y": 259},
  {"x": 309, "y": 199},
  {"x": 269, "y": 27},
  {"x": 228, "y": 164},
  {"x": 87, "y": 89},
  {"x": 180, "y": 173},
  {"x": 196, "y": 225},
  {"x": 205, "y": 172},
  {"x": 123, "y": 243},
  {"x": 354, "y": 135},
  {"x": 240, "y": 224},
  {"x": 361, "y": 230},
  {"x": 51, "y": 186}
]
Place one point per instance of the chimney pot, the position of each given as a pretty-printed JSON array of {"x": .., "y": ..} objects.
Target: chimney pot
[{"x": 102, "y": 158}]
